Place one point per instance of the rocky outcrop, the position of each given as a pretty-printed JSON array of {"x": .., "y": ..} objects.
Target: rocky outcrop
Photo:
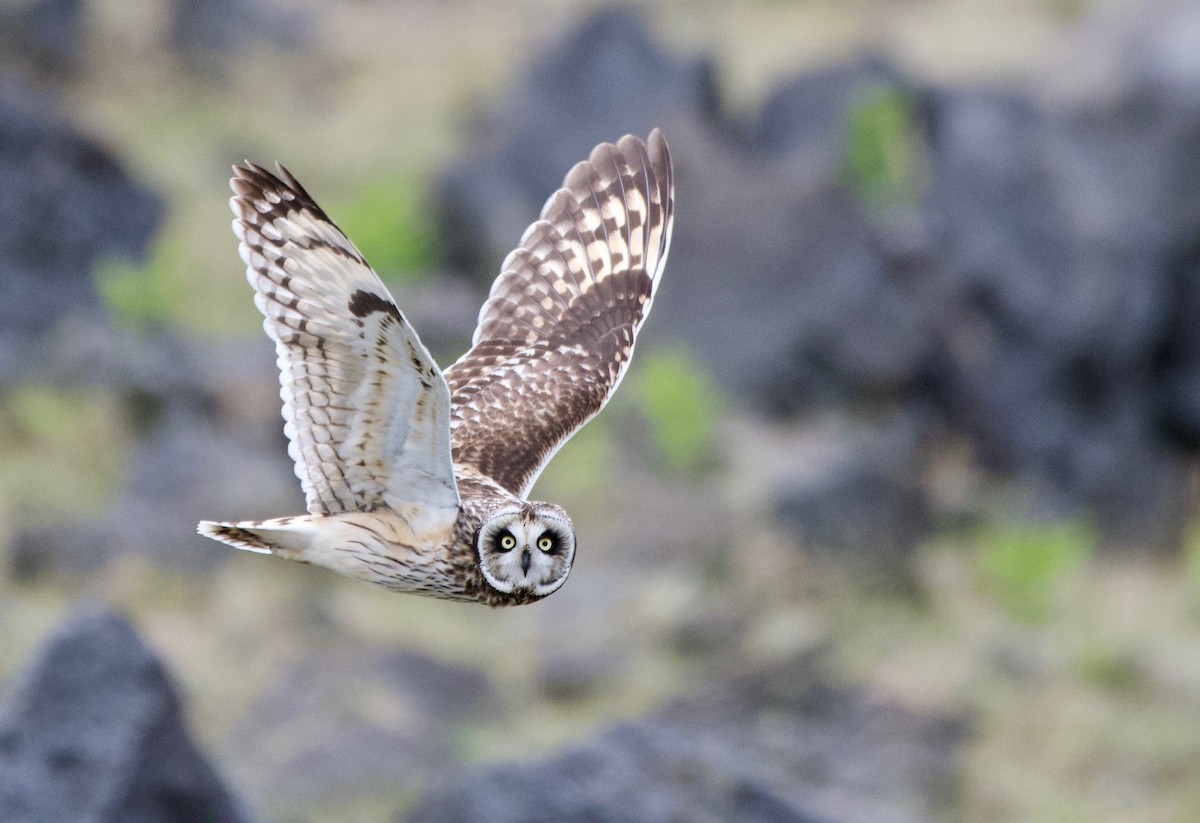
[
  {"x": 353, "y": 721},
  {"x": 860, "y": 492},
  {"x": 94, "y": 732},
  {"x": 66, "y": 203},
  {"x": 223, "y": 27},
  {"x": 45, "y": 36},
  {"x": 1030, "y": 281},
  {"x": 830, "y": 754},
  {"x": 564, "y": 106}
]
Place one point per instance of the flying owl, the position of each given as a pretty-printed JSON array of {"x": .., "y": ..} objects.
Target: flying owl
[{"x": 415, "y": 479}]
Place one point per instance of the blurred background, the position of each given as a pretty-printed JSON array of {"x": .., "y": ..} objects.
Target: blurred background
[{"x": 894, "y": 517}]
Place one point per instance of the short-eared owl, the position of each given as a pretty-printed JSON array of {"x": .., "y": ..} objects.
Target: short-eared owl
[{"x": 416, "y": 480}]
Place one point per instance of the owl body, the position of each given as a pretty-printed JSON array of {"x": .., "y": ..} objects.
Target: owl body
[{"x": 415, "y": 479}]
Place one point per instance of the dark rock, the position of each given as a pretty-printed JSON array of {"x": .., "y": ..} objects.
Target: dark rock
[
  {"x": 1053, "y": 233},
  {"x": 223, "y": 27},
  {"x": 808, "y": 116},
  {"x": 45, "y": 35},
  {"x": 145, "y": 369},
  {"x": 309, "y": 739},
  {"x": 1180, "y": 362},
  {"x": 778, "y": 746},
  {"x": 565, "y": 676},
  {"x": 605, "y": 79},
  {"x": 809, "y": 265},
  {"x": 94, "y": 732},
  {"x": 45, "y": 549},
  {"x": 861, "y": 493},
  {"x": 65, "y": 203},
  {"x": 651, "y": 771},
  {"x": 442, "y": 690},
  {"x": 1034, "y": 289}
]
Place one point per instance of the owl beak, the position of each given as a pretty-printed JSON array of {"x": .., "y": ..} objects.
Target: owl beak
[{"x": 526, "y": 559}]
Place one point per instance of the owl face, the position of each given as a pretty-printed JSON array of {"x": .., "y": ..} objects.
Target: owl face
[{"x": 527, "y": 548}]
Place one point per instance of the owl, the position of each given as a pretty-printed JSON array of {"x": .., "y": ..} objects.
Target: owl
[{"x": 417, "y": 479}]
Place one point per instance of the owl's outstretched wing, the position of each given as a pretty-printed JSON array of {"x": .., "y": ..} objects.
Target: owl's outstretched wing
[
  {"x": 559, "y": 326},
  {"x": 366, "y": 410}
]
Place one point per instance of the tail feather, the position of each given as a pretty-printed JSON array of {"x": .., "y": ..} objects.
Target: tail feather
[
  {"x": 287, "y": 536},
  {"x": 235, "y": 535}
]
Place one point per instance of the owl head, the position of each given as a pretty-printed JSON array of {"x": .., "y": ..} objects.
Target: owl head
[{"x": 526, "y": 548}]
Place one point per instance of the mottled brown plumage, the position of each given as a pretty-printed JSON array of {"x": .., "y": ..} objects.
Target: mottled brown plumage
[{"x": 417, "y": 481}]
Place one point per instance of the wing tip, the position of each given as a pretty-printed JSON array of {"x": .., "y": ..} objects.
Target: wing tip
[
  {"x": 252, "y": 183},
  {"x": 252, "y": 180},
  {"x": 660, "y": 151}
]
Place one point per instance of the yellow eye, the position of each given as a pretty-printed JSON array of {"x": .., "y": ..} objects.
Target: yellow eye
[
  {"x": 508, "y": 542},
  {"x": 545, "y": 543}
]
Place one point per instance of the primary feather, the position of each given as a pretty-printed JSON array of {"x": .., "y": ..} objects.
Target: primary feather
[
  {"x": 366, "y": 408},
  {"x": 558, "y": 329}
]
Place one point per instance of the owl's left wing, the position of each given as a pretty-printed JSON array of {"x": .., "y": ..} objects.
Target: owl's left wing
[
  {"x": 559, "y": 326},
  {"x": 366, "y": 408}
]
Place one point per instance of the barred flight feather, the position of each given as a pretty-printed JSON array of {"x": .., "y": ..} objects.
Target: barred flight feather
[
  {"x": 559, "y": 327},
  {"x": 366, "y": 409}
]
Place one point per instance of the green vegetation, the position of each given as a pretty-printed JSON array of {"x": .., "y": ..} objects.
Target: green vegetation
[
  {"x": 144, "y": 295},
  {"x": 1114, "y": 670},
  {"x": 580, "y": 476},
  {"x": 1022, "y": 564},
  {"x": 72, "y": 442},
  {"x": 391, "y": 224},
  {"x": 681, "y": 403},
  {"x": 884, "y": 160},
  {"x": 1191, "y": 561}
]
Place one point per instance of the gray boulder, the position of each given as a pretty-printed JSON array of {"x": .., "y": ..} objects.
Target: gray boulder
[
  {"x": 43, "y": 35},
  {"x": 604, "y": 79},
  {"x": 859, "y": 492},
  {"x": 768, "y": 242},
  {"x": 829, "y": 754},
  {"x": 65, "y": 203},
  {"x": 223, "y": 27},
  {"x": 1054, "y": 234},
  {"x": 94, "y": 733},
  {"x": 1035, "y": 289},
  {"x": 317, "y": 735}
]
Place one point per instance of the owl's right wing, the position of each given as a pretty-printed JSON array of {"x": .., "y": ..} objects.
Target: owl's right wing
[
  {"x": 366, "y": 409},
  {"x": 559, "y": 326}
]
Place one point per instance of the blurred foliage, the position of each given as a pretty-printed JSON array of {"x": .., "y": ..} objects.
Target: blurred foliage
[
  {"x": 391, "y": 223},
  {"x": 143, "y": 295},
  {"x": 580, "y": 478},
  {"x": 70, "y": 441},
  {"x": 1191, "y": 560},
  {"x": 680, "y": 401},
  {"x": 1114, "y": 670},
  {"x": 884, "y": 160},
  {"x": 1067, "y": 11},
  {"x": 1022, "y": 564}
]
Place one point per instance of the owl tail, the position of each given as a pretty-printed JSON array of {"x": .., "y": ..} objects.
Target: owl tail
[{"x": 287, "y": 537}]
